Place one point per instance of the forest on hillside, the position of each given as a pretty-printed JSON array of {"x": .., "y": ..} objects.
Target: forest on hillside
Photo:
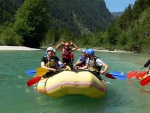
[
  {"x": 8, "y": 9},
  {"x": 68, "y": 20},
  {"x": 88, "y": 23},
  {"x": 129, "y": 32}
]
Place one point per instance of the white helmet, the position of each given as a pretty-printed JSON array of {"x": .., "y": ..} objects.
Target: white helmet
[{"x": 50, "y": 49}]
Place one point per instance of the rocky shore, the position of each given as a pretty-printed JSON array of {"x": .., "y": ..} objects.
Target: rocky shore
[
  {"x": 17, "y": 48},
  {"x": 105, "y": 50}
]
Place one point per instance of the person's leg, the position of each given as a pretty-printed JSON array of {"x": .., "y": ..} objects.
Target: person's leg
[
  {"x": 49, "y": 74},
  {"x": 96, "y": 74}
]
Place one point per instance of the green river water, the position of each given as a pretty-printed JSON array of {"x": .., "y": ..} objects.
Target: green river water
[{"x": 124, "y": 96}]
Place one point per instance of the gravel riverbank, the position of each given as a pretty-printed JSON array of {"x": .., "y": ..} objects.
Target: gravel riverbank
[
  {"x": 17, "y": 48},
  {"x": 33, "y": 49}
]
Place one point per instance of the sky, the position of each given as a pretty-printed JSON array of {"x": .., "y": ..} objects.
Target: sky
[{"x": 118, "y": 5}]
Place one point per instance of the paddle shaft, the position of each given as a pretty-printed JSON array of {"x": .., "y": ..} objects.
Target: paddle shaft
[
  {"x": 141, "y": 68},
  {"x": 113, "y": 75},
  {"x": 106, "y": 74}
]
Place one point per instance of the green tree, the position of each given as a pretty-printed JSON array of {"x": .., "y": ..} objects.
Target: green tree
[
  {"x": 32, "y": 21},
  {"x": 123, "y": 39},
  {"x": 112, "y": 34},
  {"x": 10, "y": 38}
]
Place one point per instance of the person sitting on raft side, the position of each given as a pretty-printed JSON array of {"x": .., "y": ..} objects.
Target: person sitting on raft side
[
  {"x": 49, "y": 63},
  {"x": 67, "y": 52},
  {"x": 82, "y": 61},
  {"x": 146, "y": 65},
  {"x": 95, "y": 64}
]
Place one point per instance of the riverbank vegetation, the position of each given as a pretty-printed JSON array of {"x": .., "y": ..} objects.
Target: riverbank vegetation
[{"x": 88, "y": 23}]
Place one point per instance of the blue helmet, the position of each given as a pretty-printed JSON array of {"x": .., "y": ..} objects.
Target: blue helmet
[
  {"x": 90, "y": 51},
  {"x": 84, "y": 50}
]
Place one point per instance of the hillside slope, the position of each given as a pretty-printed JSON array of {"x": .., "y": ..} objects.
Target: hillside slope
[{"x": 82, "y": 14}]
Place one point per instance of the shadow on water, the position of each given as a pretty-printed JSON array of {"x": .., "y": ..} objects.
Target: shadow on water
[{"x": 72, "y": 104}]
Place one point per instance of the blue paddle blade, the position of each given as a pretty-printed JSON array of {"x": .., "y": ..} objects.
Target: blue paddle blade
[
  {"x": 31, "y": 72},
  {"x": 118, "y": 75}
]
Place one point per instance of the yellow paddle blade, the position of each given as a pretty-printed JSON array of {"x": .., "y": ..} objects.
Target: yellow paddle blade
[
  {"x": 68, "y": 68},
  {"x": 41, "y": 71}
]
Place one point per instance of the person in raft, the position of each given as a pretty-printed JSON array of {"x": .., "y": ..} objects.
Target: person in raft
[
  {"x": 82, "y": 61},
  {"x": 49, "y": 62},
  {"x": 146, "y": 65},
  {"x": 95, "y": 64},
  {"x": 67, "y": 56},
  {"x": 59, "y": 63}
]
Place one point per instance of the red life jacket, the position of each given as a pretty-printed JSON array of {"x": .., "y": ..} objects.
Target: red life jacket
[
  {"x": 72, "y": 57},
  {"x": 67, "y": 54}
]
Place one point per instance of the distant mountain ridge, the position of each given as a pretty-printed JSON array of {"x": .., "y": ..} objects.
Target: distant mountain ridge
[{"x": 117, "y": 14}]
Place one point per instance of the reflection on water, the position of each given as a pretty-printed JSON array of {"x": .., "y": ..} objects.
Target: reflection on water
[
  {"x": 144, "y": 90},
  {"x": 141, "y": 89}
]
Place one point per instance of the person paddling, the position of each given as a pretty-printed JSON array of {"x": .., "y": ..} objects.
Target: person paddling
[
  {"x": 49, "y": 63},
  {"x": 146, "y": 65},
  {"x": 95, "y": 64},
  {"x": 67, "y": 52}
]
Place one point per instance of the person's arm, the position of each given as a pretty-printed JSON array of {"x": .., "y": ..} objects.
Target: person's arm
[
  {"x": 75, "y": 47},
  {"x": 84, "y": 67},
  {"x": 101, "y": 63},
  {"x": 60, "y": 63},
  {"x": 105, "y": 68},
  {"x": 59, "y": 46},
  {"x": 78, "y": 61},
  {"x": 86, "y": 64},
  {"x": 147, "y": 63},
  {"x": 44, "y": 66}
]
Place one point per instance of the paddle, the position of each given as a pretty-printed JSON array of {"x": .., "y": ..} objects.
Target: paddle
[
  {"x": 145, "y": 81},
  {"x": 109, "y": 76},
  {"x": 113, "y": 75},
  {"x": 39, "y": 73},
  {"x": 133, "y": 73},
  {"x": 140, "y": 75},
  {"x": 118, "y": 75},
  {"x": 31, "y": 72},
  {"x": 33, "y": 81}
]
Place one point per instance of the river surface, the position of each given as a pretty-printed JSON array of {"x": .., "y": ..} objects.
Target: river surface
[{"x": 124, "y": 96}]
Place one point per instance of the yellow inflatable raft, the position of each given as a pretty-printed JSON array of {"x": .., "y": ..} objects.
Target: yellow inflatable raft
[{"x": 69, "y": 82}]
